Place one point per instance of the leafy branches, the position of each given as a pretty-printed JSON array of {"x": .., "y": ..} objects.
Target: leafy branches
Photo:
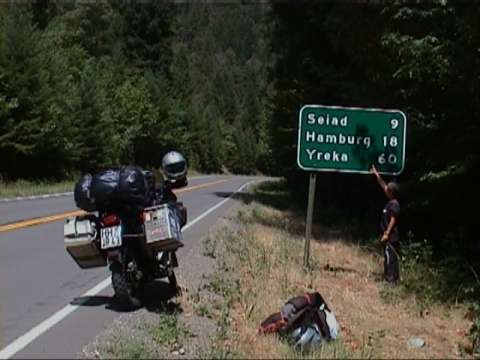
[{"x": 88, "y": 85}]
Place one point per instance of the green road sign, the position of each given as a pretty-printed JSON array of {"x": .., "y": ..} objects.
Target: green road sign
[{"x": 333, "y": 138}]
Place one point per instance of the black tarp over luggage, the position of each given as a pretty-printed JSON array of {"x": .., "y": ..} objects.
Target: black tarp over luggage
[
  {"x": 124, "y": 186},
  {"x": 82, "y": 194},
  {"x": 104, "y": 187},
  {"x": 132, "y": 186}
]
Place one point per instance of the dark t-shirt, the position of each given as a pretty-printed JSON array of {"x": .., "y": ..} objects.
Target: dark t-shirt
[{"x": 392, "y": 208}]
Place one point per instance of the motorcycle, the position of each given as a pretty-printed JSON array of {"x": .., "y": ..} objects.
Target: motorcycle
[{"x": 138, "y": 243}]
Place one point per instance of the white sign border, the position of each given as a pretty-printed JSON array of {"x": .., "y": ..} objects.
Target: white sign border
[{"x": 351, "y": 108}]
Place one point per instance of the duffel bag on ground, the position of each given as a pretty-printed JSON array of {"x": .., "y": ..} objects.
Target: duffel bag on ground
[{"x": 301, "y": 312}]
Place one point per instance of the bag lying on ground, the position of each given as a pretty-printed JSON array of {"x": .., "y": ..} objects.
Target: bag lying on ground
[{"x": 306, "y": 319}]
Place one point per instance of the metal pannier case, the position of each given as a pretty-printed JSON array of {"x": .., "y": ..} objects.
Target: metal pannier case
[
  {"x": 162, "y": 228},
  {"x": 80, "y": 235}
]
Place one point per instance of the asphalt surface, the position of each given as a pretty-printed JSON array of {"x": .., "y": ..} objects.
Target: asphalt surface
[{"x": 38, "y": 277}]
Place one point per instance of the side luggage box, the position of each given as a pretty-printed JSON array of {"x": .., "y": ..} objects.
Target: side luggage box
[
  {"x": 80, "y": 236},
  {"x": 162, "y": 228}
]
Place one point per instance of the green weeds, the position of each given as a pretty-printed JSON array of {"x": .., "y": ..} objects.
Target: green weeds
[
  {"x": 209, "y": 247},
  {"x": 167, "y": 331},
  {"x": 474, "y": 333},
  {"x": 152, "y": 339},
  {"x": 429, "y": 281},
  {"x": 128, "y": 348},
  {"x": 133, "y": 349}
]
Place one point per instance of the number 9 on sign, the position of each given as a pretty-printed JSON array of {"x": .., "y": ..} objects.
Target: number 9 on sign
[
  {"x": 394, "y": 123},
  {"x": 383, "y": 159}
]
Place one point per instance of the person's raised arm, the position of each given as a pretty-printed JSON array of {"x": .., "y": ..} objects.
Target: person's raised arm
[{"x": 382, "y": 183}]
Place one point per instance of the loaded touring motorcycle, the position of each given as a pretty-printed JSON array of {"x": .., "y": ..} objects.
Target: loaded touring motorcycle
[{"x": 129, "y": 225}]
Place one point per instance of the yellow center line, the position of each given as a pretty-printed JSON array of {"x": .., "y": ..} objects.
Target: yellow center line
[
  {"x": 196, "y": 187},
  {"x": 38, "y": 221},
  {"x": 62, "y": 216}
]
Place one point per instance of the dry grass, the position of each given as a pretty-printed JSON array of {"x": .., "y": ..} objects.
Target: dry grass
[
  {"x": 265, "y": 251},
  {"x": 28, "y": 188}
]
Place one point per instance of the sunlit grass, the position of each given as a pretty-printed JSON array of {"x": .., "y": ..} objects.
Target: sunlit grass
[{"x": 259, "y": 257}]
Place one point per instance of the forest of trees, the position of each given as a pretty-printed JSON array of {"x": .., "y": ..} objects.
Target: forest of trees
[
  {"x": 422, "y": 59},
  {"x": 84, "y": 85},
  {"x": 92, "y": 84}
]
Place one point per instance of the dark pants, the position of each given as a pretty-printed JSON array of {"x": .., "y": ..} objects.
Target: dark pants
[{"x": 391, "y": 268}]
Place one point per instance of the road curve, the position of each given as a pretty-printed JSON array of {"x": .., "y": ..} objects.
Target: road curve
[{"x": 38, "y": 279}]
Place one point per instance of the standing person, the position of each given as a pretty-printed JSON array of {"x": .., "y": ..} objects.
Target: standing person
[{"x": 389, "y": 228}]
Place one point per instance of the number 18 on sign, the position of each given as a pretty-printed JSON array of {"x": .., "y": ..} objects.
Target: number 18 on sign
[{"x": 343, "y": 139}]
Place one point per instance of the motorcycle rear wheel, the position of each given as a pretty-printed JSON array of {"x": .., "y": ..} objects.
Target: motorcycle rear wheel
[{"x": 126, "y": 292}]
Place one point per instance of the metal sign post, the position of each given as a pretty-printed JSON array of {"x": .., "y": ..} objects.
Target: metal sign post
[{"x": 308, "y": 232}]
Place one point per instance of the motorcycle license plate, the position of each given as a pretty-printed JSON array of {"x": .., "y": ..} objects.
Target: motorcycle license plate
[{"x": 111, "y": 237}]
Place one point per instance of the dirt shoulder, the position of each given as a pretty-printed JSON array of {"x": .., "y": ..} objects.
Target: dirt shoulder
[{"x": 248, "y": 266}]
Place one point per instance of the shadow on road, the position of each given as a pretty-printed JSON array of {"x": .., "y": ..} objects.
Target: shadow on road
[
  {"x": 244, "y": 197},
  {"x": 91, "y": 300},
  {"x": 270, "y": 193},
  {"x": 156, "y": 298}
]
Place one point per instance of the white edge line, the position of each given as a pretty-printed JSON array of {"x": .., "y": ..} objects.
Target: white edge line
[{"x": 25, "y": 339}]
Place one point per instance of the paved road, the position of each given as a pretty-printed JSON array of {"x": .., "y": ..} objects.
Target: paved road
[{"x": 38, "y": 278}]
